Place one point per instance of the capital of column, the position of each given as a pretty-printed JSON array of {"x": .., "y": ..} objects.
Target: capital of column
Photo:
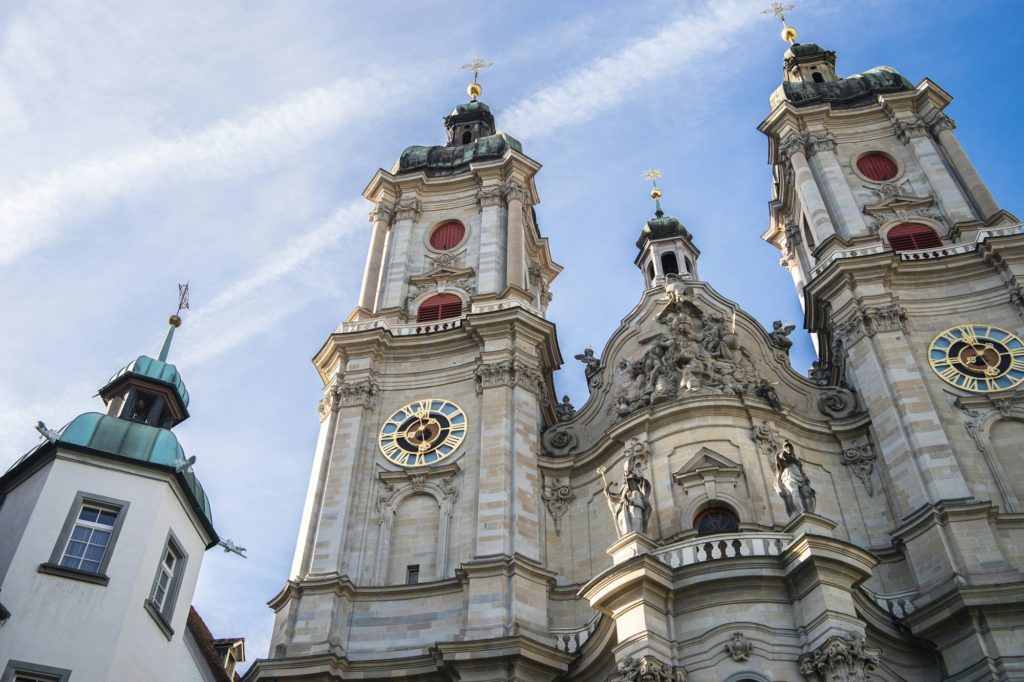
[
  {"x": 382, "y": 212},
  {"x": 407, "y": 208},
  {"x": 516, "y": 191}
]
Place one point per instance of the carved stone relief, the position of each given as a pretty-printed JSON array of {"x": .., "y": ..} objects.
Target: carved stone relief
[
  {"x": 861, "y": 460},
  {"x": 559, "y": 441},
  {"x": 791, "y": 483},
  {"x": 631, "y": 503},
  {"x": 558, "y": 497},
  {"x": 407, "y": 208},
  {"x": 868, "y": 321},
  {"x": 646, "y": 669},
  {"x": 842, "y": 658},
  {"x": 345, "y": 394},
  {"x": 564, "y": 410},
  {"x": 509, "y": 373},
  {"x": 837, "y": 403},
  {"x": 739, "y": 647},
  {"x": 490, "y": 196},
  {"x": 698, "y": 353}
]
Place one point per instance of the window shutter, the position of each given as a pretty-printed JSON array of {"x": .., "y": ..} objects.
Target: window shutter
[
  {"x": 877, "y": 166},
  {"x": 447, "y": 235},
  {"x": 439, "y": 307},
  {"x": 911, "y": 236}
]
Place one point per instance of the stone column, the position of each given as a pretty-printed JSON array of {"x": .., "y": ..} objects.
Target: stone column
[
  {"x": 948, "y": 194},
  {"x": 396, "y": 272},
  {"x": 380, "y": 216},
  {"x": 489, "y": 278},
  {"x": 807, "y": 189},
  {"x": 942, "y": 128},
  {"x": 515, "y": 268},
  {"x": 844, "y": 204}
]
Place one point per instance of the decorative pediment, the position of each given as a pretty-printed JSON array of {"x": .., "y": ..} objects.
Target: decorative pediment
[
  {"x": 709, "y": 472},
  {"x": 706, "y": 458},
  {"x": 894, "y": 200},
  {"x": 442, "y": 274}
]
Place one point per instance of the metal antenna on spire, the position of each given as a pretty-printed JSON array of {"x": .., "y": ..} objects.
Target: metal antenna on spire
[
  {"x": 653, "y": 174},
  {"x": 476, "y": 66},
  {"x": 175, "y": 320},
  {"x": 778, "y": 10}
]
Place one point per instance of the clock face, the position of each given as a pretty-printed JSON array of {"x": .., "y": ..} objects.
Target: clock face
[
  {"x": 423, "y": 432},
  {"x": 978, "y": 358}
]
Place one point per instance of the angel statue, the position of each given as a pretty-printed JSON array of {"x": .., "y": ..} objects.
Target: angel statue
[
  {"x": 779, "y": 335},
  {"x": 592, "y": 362},
  {"x": 631, "y": 503}
]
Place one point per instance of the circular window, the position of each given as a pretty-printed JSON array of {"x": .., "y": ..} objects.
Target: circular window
[
  {"x": 716, "y": 520},
  {"x": 447, "y": 235},
  {"x": 877, "y": 166}
]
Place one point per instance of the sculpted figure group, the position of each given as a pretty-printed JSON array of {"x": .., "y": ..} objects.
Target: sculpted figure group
[{"x": 697, "y": 352}]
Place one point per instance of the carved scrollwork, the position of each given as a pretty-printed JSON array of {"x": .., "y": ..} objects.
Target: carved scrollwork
[
  {"x": 490, "y": 196},
  {"x": 407, "y": 208},
  {"x": 516, "y": 191},
  {"x": 837, "y": 403},
  {"x": 344, "y": 394},
  {"x": 509, "y": 373},
  {"x": 558, "y": 497},
  {"x": 647, "y": 669},
  {"x": 868, "y": 321},
  {"x": 908, "y": 129},
  {"x": 861, "y": 460},
  {"x": 559, "y": 441},
  {"x": 842, "y": 658},
  {"x": 382, "y": 212},
  {"x": 821, "y": 143}
]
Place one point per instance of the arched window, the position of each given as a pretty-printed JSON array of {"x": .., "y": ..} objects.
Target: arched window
[
  {"x": 877, "y": 166},
  {"x": 439, "y": 307},
  {"x": 817, "y": 77},
  {"x": 669, "y": 264},
  {"x": 650, "y": 272},
  {"x": 467, "y": 137},
  {"x": 689, "y": 264},
  {"x": 716, "y": 520},
  {"x": 447, "y": 235},
  {"x": 808, "y": 235},
  {"x": 910, "y": 236}
]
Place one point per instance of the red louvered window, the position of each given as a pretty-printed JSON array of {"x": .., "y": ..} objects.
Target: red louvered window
[
  {"x": 447, "y": 235},
  {"x": 910, "y": 236},
  {"x": 877, "y": 166},
  {"x": 439, "y": 307}
]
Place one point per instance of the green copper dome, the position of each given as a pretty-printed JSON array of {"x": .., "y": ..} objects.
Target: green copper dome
[{"x": 147, "y": 367}]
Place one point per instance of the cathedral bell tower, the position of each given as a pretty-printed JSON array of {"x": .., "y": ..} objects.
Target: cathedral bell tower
[
  {"x": 665, "y": 246},
  {"x": 424, "y": 505},
  {"x": 910, "y": 275}
]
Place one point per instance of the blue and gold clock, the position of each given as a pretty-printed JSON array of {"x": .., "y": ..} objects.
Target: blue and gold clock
[
  {"x": 423, "y": 432},
  {"x": 978, "y": 358}
]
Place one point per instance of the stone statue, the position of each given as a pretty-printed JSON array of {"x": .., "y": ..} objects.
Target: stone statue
[
  {"x": 792, "y": 483},
  {"x": 779, "y": 335},
  {"x": 819, "y": 373},
  {"x": 631, "y": 503},
  {"x": 767, "y": 391},
  {"x": 564, "y": 410},
  {"x": 592, "y": 362},
  {"x": 719, "y": 342}
]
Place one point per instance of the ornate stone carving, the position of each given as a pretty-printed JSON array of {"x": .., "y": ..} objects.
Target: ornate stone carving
[
  {"x": 443, "y": 260},
  {"x": 417, "y": 482},
  {"x": 490, "y": 196},
  {"x": 739, "y": 647},
  {"x": 558, "y": 497},
  {"x": 939, "y": 122},
  {"x": 868, "y": 321},
  {"x": 791, "y": 482},
  {"x": 767, "y": 440},
  {"x": 592, "y": 366},
  {"x": 842, "y": 658},
  {"x": 793, "y": 144},
  {"x": 1004, "y": 405},
  {"x": 861, "y": 460},
  {"x": 407, "y": 209},
  {"x": 631, "y": 503},
  {"x": 821, "y": 143},
  {"x": 837, "y": 403},
  {"x": 647, "y": 669},
  {"x": 819, "y": 373},
  {"x": 382, "y": 212},
  {"x": 767, "y": 391},
  {"x": 779, "y": 335},
  {"x": 564, "y": 410},
  {"x": 508, "y": 373},
  {"x": 362, "y": 393},
  {"x": 907, "y": 129},
  {"x": 558, "y": 441},
  {"x": 516, "y": 191}
]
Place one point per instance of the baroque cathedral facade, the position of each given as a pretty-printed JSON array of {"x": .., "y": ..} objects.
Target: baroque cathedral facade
[{"x": 709, "y": 513}]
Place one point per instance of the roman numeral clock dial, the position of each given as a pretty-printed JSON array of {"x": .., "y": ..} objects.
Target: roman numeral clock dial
[
  {"x": 978, "y": 358},
  {"x": 423, "y": 432}
]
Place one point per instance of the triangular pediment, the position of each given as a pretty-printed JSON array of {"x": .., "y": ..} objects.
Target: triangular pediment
[{"x": 706, "y": 458}]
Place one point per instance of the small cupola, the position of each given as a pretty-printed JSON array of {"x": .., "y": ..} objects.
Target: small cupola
[
  {"x": 809, "y": 64},
  {"x": 665, "y": 247},
  {"x": 468, "y": 123},
  {"x": 147, "y": 390}
]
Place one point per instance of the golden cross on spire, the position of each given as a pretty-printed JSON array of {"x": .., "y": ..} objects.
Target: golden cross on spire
[
  {"x": 182, "y": 297},
  {"x": 778, "y": 10},
  {"x": 653, "y": 174},
  {"x": 476, "y": 66}
]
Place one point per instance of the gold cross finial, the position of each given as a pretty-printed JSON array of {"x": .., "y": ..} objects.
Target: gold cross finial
[
  {"x": 476, "y": 66},
  {"x": 778, "y": 10},
  {"x": 182, "y": 297}
]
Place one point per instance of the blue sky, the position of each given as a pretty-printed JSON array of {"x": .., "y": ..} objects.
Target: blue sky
[{"x": 147, "y": 143}]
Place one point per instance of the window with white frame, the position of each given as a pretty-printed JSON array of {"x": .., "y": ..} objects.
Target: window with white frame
[
  {"x": 86, "y": 542},
  {"x": 164, "y": 593}
]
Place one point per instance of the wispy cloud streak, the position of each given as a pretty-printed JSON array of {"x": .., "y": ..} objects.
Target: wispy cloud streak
[
  {"x": 609, "y": 81},
  {"x": 37, "y": 213}
]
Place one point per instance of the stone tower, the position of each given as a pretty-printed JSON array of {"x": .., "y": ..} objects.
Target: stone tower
[
  {"x": 910, "y": 276},
  {"x": 422, "y": 534}
]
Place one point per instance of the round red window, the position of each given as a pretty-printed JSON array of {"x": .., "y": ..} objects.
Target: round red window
[
  {"x": 447, "y": 235},
  {"x": 877, "y": 166}
]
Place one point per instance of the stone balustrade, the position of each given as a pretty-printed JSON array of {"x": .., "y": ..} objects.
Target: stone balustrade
[
  {"x": 898, "y": 604},
  {"x": 570, "y": 640},
  {"x": 725, "y": 546},
  {"x": 401, "y": 329}
]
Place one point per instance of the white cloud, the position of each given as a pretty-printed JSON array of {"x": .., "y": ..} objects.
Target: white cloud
[
  {"x": 608, "y": 81},
  {"x": 36, "y": 213},
  {"x": 271, "y": 292}
]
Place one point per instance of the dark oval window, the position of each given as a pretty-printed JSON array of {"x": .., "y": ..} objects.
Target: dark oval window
[
  {"x": 439, "y": 307},
  {"x": 447, "y": 235},
  {"x": 716, "y": 520},
  {"x": 877, "y": 166},
  {"x": 911, "y": 236}
]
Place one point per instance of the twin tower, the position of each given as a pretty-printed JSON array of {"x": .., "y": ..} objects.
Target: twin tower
[{"x": 709, "y": 513}]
